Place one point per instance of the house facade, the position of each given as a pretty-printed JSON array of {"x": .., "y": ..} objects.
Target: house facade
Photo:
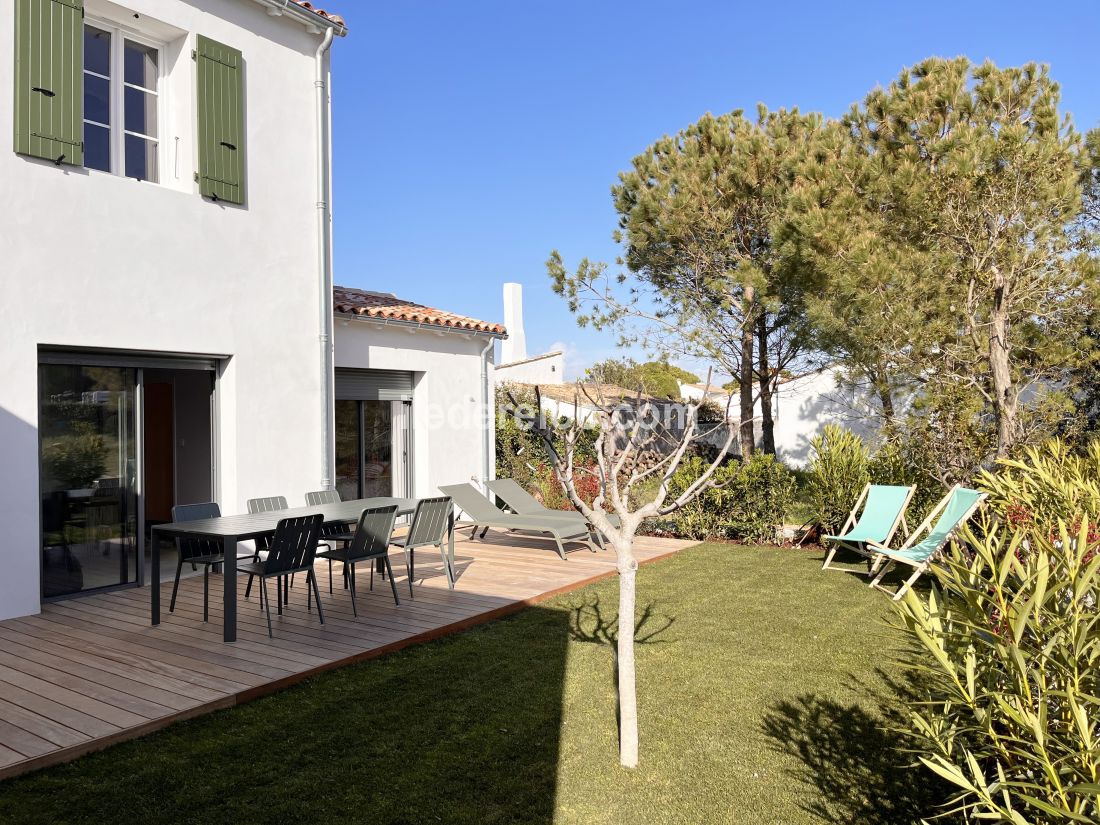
[
  {"x": 168, "y": 328},
  {"x": 414, "y": 402}
]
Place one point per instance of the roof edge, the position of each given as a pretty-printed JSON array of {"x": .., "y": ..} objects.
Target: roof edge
[
  {"x": 529, "y": 360},
  {"x": 314, "y": 18},
  {"x": 413, "y": 326}
]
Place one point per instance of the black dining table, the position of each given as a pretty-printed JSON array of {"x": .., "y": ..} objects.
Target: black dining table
[{"x": 233, "y": 529}]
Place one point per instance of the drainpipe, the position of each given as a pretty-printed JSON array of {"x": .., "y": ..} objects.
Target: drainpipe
[
  {"x": 487, "y": 429},
  {"x": 324, "y": 263}
]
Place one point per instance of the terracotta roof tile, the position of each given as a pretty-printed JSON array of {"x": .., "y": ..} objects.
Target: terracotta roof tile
[
  {"x": 333, "y": 18},
  {"x": 388, "y": 307}
]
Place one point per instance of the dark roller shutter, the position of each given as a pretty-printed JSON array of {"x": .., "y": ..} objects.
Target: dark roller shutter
[{"x": 374, "y": 385}]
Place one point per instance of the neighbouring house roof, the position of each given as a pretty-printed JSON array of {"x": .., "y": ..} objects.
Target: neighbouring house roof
[
  {"x": 387, "y": 307},
  {"x": 608, "y": 392},
  {"x": 529, "y": 360}
]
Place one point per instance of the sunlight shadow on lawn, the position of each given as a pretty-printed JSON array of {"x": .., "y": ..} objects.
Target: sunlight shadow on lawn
[{"x": 851, "y": 759}]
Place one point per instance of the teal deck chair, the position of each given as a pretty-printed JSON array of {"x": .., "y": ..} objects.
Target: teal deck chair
[
  {"x": 883, "y": 512},
  {"x": 952, "y": 512}
]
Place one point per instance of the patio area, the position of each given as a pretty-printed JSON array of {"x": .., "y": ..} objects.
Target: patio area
[{"x": 89, "y": 672}]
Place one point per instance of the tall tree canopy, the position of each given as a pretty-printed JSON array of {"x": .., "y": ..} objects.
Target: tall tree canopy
[
  {"x": 941, "y": 219},
  {"x": 658, "y": 378},
  {"x": 696, "y": 213}
]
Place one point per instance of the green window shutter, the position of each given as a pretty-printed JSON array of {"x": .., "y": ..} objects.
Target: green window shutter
[
  {"x": 49, "y": 87},
  {"x": 220, "y": 96}
]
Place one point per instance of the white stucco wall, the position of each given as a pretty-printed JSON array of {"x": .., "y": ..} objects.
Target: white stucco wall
[
  {"x": 93, "y": 260},
  {"x": 449, "y": 424},
  {"x": 546, "y": 369},
  {"x": 806, "y": 405}
]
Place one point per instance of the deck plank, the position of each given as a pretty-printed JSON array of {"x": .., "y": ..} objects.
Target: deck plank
[{"x": 88, "y": 672}]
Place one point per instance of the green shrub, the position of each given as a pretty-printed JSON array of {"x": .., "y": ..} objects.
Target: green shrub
[
  {"x": 838, "y": 473},
  {"x": 520, "y": 452},
  {"x": 1007, "y": 645},
  {"x": 1047, "y": 483},
  {"x": 905, "y": 462},
  {"x": 750, "y": 503}
]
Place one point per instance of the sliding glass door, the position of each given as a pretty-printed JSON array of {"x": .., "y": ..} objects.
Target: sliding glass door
[
  {"x": 88, "y": 457},
  {"x": 371, "y": 448}
]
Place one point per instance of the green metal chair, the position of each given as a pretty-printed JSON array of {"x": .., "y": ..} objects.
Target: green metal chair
[
  {"x": 952, "y": 512},
  {"x": 883, "y": 512},
  {"x": 331, "y": 534},
  {"x": 430, "y": 526},
  {"x": 293, "y": 549},
  {"x": 370, "y": 542}
]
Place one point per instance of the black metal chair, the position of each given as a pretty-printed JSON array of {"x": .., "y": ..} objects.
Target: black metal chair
[
  {"x": 205, "y": 551},
  {"x": 429, "y": 528},
  {"x": 267, "y": 504},
  {"x": 330, "y": 534},
  {"x": 293, "y": 549},
  {"x": 370, "y": 542}
]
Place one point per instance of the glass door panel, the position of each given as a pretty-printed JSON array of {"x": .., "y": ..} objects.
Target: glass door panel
[
  {"x": 377, "y": 449},
  {"x": 87, "y": 456},
  {"x": 348, "y": 465}
]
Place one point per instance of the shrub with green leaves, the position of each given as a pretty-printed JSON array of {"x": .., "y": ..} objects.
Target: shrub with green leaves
[
  {"x": 838, "y": 472},
  {"x": 1046, "y": 483},
  {"x": 1007, "y": 648},
  {"x": 749, "y": 504},
  {"x": 905, "y": 462}
]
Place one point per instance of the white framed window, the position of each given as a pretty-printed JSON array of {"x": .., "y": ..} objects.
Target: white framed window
[{"x": 122, "y": 102}]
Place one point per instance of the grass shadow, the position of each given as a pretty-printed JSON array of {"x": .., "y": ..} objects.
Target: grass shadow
[
  {"x": 589, "y": 625},
  {"x": 465, "y": 729},
  {"x": 855, "y": 761}
]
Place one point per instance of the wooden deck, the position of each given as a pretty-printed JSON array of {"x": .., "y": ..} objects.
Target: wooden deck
[{"x": 89, "y": 672}]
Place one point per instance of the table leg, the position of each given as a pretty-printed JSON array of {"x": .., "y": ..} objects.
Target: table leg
[
  {"x": 154, "y": 538},
  {"x": 229, "y": 579}
]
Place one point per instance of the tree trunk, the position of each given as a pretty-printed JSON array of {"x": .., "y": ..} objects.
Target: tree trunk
[
  {"x": 882, "y": 388},
  {"x": 767, "y": 422},
  {"x": 1004, "y": 390},
  {"x": 748, "y": 335},
  {"x": 628, "y": 692}
]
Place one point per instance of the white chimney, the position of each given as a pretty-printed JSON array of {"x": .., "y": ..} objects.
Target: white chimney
[{"x": 514, "y": 347}]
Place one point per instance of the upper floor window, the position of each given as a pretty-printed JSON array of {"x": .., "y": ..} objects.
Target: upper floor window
[{"x": 121, "y": 103}]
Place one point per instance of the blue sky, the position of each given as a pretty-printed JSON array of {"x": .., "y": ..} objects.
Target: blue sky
[{"x": 474, "y": 137}]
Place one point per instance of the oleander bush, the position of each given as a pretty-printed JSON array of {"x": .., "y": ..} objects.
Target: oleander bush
[
  {"x": 838, "y": 471},
  {"x": 1006, "y": 645}
]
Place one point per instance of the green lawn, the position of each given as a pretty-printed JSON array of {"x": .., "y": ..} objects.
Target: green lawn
[{"x": 763, "y": 690}]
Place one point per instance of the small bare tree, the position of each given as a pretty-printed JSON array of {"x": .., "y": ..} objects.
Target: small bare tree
[{"x": 631, "y": 445}]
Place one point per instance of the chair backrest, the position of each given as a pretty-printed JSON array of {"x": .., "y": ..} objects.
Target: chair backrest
[
  {"x": 472, "y": 502},
  {"x": 958, "y": 506},
  {"x": 372, "y": 533},
  {"x": 322, "y": 497},
  {"x": 270, "y": 504},
  {"x": 513, "y": 494},
  {"x": 430, "y": 520},
  {"x": 189, "y": 548},
  {"x": 294, "y": 545},
  {"x": 882, "y": 510}
]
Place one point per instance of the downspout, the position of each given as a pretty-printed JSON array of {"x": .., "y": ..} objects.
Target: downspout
[
  {"x": 324, "y": 263},
  {"x": 487, "y": 429}
]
